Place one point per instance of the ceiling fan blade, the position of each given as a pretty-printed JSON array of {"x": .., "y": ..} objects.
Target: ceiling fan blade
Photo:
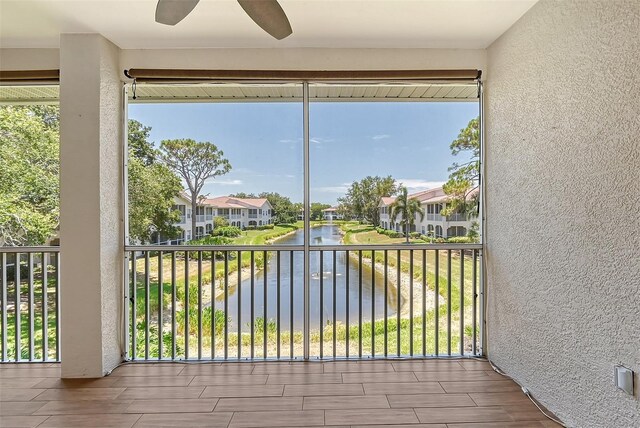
[
  {"x": 269, "y": 16},
  {"x": 170, "y": 12}
]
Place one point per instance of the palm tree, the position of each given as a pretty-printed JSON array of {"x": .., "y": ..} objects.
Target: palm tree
[{"x": 406, "y": 208}]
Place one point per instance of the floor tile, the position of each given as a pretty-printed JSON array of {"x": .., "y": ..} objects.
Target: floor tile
[
  {"x": 180, "y": 420},
  {"x": 403, "y": 388},
  {"x": 161, "y": 392},
  {"x": 370, "y": 416},
  {"x": 499, "y": 398},
  {"x": 430, "y": 393},
  {"x": 82, "y": 407},
  {"x": 300, "y": 368},
  {"x": 430, "y": 400},
  {"x": 346, "y": 402},
  {"x": 34, "y": 370},
  {"x": 96, "y": 420},
  {"x": 151, "y": 381},
  {"x": 261, "y": 404},
  {"x": 229, "y": 380},
  {"x": 22, "y": 408},
  {"x": 217, "y": 369},
  {"x": 102, "y": 382},
  {"x": 19, "y": 394},
  {"x": 447, "y": 415},
  {"x": 21, "y": 421},
  {"x": 323, "y": 389},
  {"x": 298, "y": 379},
  {"x": 172, "y": 405},
  {"x": 301, "y": 418},
  {"x": 427, "y": 365},
  {"x": 69, "y": 394},
  {"x": 148, "y": 369},
  {"x": 480, "y": 386},
  {"x": 379, "y": 377},
  {"x": 353, "y": 367},
  {"x": 243, "y": 391},
  {"x": 401, "y": 426},
  {"x": 453, "y": 376},
  {"x": 530, "y": 424},
  {"x": 476, "y": 365},
  {"x": 21, "y": 382}
]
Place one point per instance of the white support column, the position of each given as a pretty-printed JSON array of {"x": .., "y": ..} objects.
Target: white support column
[{"x": 90, "y": 205}]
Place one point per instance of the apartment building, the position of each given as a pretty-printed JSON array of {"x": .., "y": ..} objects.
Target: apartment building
[
  {"x": 239, "y": 212},
  {"x": 331, "y": 214},
  {"x": 433, "y": 201}
]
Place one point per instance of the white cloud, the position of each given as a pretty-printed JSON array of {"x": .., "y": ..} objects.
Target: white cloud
[
  {"x": 321, "y": 140},
  {"x": 380, "y": 136},
  {"x": 419, "y": 184},
  {"x": 225, "y": 182}
]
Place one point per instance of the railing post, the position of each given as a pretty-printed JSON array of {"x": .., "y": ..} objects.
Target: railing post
[
  {"x": 482, "y": 305},
  {"x": 307, "y": 211}
]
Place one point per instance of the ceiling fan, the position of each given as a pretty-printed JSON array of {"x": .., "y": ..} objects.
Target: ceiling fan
[{"x": 268, "y": 14}]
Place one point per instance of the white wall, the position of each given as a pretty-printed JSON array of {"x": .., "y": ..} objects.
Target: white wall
[
  {"x": 563, "y": 206},
  {"x": 29, "y": 59}
]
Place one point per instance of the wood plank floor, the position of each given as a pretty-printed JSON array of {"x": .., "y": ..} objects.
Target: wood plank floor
[{"x": 417, "y": 393}]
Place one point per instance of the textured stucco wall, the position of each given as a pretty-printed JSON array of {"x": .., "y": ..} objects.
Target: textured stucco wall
[
  {"x": 90, "y": 204},
  {"x": 563, "y": 206}
]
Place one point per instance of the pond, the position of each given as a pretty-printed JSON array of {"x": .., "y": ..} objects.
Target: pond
[{"x": 320, "y": 314}]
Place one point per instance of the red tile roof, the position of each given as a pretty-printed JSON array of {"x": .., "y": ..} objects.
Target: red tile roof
[
  {"x": 427, "y": 196},
  {"x": 229, "y": 202}
]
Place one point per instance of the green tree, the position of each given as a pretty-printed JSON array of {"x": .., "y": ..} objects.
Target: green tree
[
  {"x": 316, "y": 210},
  {"x": 152, "y": 187},
  {"x": 29, "y": 174},
  {"x": 195, "y": 162},
  {"x": 138, "y": 141},
  {"x": 364, "y": 196},
  {"x": 243, "y": 195},
  {"x": 284, "y": 211},
  {"x": 464, "y": 177},
  {"x": 151, "y": 192},
  {"x": 406, "y": 209}
]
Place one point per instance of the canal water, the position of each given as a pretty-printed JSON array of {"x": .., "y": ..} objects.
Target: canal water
[{"x": 320, "y": 314}]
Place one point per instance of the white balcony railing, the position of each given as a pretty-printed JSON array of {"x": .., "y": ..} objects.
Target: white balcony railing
[
  {"x": 29, "y": 281},
  {"x": 457, "y": 217}
]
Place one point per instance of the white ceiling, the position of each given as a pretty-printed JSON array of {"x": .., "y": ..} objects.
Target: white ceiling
[{"x": 469, "y": 24}]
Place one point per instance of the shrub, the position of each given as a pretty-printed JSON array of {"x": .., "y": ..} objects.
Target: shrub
[
  {"x": 227, "y": 231},
  {"x": 460, "y": 240},
  {"x": 265, "y": 227},
  {"x": 440, "y": 240},
  {"x": 415, "y": 235},
  {"x": 219, "y": 222}
]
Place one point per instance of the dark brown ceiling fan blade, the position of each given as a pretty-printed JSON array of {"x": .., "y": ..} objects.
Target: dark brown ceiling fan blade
[
  {"x": 269, "y": 16},
  {"x": 170, "y": 12}
]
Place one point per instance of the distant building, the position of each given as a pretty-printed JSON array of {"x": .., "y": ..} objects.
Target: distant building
[
  {"x": 239, "y": 212},
  {"x": 433, "y": 201},
  {"x": 331, "y": 214}
]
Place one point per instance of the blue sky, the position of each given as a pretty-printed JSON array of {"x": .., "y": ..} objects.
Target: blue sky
[{"x": 349, "y": 140}]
